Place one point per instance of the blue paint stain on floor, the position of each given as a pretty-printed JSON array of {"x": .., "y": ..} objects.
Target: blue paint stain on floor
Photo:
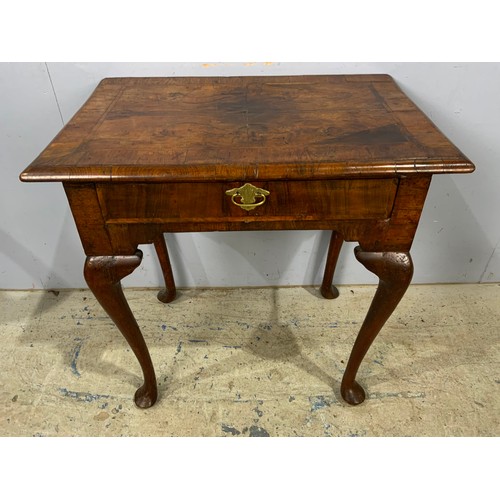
[
  {"x": 230, "y": 430},
  {"x": 74, "y": 358},
  {"x": 258, "y": 410},
  {"x": 82, "y": 396},
  {"x": 256, "y": 431},
  {"x": 164, "y": 327},
  {"x": 326, "y": 429},
  {"x": 318, "y": 402}
]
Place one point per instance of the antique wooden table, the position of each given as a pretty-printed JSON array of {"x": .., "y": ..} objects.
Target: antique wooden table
[{"x": 146, "y": 156}]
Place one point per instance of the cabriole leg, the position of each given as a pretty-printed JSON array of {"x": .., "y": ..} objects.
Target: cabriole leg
[
  {"x": 168, "y": 294},
  {"x": 103, "y": 275},
  {"x": 327, "y": 289},
  {"x": 394, "y": 270}
]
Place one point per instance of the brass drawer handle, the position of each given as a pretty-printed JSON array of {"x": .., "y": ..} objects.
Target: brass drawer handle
[{"x": 248, "y": 194}]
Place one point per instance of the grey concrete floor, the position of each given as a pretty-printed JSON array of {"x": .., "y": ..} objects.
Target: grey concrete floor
[{"x": 252, "y": 362}]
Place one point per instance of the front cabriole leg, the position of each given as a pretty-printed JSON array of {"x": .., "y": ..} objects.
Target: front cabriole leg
[
  {"x": 394, "y": 270},
  {"x": 103, "y": 275}
]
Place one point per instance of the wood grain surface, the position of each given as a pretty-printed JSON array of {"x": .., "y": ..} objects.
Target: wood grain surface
[{"x": 241, "y": 128}]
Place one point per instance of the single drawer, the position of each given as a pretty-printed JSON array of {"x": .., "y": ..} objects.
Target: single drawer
[{"x": 341, "y": 199}]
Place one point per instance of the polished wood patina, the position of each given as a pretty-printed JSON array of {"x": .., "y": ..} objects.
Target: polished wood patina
[{"x": 346, "y": 153}]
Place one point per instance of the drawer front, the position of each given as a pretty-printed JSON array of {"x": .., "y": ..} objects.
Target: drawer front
[{"x": 210, "y": 202}]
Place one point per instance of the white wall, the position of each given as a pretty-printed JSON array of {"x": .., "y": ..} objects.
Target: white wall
[{"x": 458, "y": 239}]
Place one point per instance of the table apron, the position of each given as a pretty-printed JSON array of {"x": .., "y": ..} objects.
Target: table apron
[{"x": 380, "y": 214}]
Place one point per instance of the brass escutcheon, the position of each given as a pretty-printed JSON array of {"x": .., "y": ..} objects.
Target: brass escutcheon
[{"x": 248, "y": 194}]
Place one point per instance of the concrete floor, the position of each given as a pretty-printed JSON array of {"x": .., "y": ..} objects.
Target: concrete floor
[{"x": 252, "y": 362}]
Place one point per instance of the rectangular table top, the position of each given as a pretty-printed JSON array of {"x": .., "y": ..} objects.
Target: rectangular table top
[{"x": 242, "y": 128}]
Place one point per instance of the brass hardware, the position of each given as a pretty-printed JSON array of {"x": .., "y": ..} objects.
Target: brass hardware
[{"x": 248, "y": 194}]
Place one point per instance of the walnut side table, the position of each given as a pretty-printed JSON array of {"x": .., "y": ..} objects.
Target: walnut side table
[{"x": 146, "y": 156}]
